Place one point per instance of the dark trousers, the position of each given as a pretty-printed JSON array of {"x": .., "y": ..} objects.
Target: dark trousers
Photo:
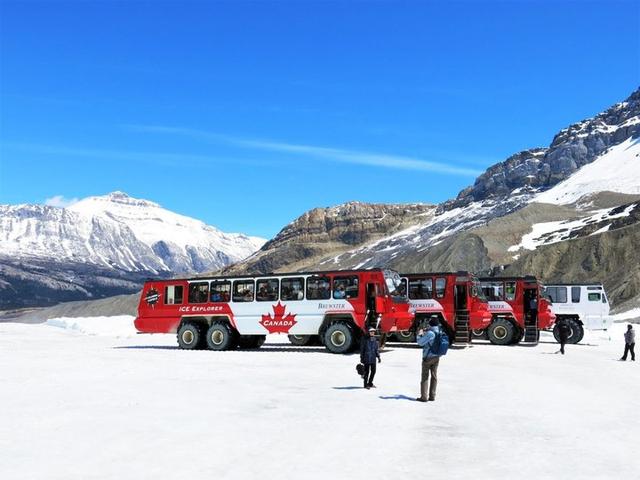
[
  {"x": 429, "y": 366},
  {"x": 563, "y": 341},
  {"x": 628, "y": 347},
  {"x": 369, "y": 373}
]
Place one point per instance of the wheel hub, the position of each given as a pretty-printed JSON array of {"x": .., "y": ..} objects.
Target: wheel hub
[
  {"x": 187, "y": 337},
  {"x": 338, "y": 339},
  {"x": 217, "y": 337},
  {"x": 500, "y": 332}
]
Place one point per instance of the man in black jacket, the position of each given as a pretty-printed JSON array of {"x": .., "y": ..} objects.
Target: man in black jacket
[
  {"x": 564, "y": 332},
  {"x": 369, "y": 352}
]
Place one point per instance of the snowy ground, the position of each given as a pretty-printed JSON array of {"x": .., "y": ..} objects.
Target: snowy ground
[{"x": 88, "y": 399}]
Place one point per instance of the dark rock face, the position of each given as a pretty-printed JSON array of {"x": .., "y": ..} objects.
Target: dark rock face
[
  {"x": 42, "y": 283},
  {"x": 326, "y": 231},
  {"x": 571, "y": 148}
]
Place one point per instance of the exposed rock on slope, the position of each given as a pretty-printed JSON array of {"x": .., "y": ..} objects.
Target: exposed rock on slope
[{"x": 325, "y": 232}]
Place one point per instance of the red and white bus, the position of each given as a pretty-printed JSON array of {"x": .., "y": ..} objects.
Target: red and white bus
[
  {"x": 222, "y": 313},
  {"x": 454, "y": 298},
  {"x": 531, "y": 309}
]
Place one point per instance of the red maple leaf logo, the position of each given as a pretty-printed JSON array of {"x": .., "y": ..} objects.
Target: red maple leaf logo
[{"x": 279, "y": 323}]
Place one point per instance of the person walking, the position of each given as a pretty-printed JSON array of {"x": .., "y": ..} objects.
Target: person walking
[
  {"x": 369, "y": 352},
  {"x": 564, "y": 330},
  {"x": 629, "y": 343},
  {"x": 430, "y": 360}
]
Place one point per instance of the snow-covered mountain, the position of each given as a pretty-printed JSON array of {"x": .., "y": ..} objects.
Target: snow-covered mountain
[{"x": 119, "y": 236}]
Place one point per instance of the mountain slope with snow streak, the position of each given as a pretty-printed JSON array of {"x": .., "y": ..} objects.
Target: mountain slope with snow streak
[{"x": 617, "y": 170}]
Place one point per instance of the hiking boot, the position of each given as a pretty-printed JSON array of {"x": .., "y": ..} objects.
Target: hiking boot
[
  {"x": 420, "y": 399},
  {"x": 371, "y": 385},
  {"x": 367, "y": 387}
]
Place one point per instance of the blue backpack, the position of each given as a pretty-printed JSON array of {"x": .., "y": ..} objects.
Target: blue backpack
[{"x": 440, "y": 344}]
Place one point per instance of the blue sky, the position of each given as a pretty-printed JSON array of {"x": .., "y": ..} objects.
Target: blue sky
[{"x": 247, "y": 114}]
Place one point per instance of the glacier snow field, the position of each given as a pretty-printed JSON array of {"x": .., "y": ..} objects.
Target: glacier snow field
[{"x": 90, "y": 399}]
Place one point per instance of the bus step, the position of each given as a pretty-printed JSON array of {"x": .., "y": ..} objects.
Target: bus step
[{"x": 463, "y": 334}]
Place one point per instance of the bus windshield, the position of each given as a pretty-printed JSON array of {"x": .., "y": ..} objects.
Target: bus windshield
[
  {"x": 476, "y": 291},
  {"x": 395, "y": 286}
]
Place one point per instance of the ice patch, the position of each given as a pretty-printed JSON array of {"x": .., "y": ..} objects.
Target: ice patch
[{"x": 118, "y": 326}]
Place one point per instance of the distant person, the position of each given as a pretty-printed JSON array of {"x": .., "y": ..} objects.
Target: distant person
[
  {"x": 430, "y": 360},
  {"x": 369, "y": 352},
  {"x": 629, "y": 343},
  {"x": 339, "y": 293},
  {"x": 533, "y": 307},
  {"x": 564, "y": 331},
  {"x": 325, "y": 291}
]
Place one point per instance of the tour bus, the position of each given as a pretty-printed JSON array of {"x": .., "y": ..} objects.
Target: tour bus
[
  {"x": 581, "y": 305},
  {"x": 222, "y": 313},
  {"x": 530, "y": 307},
  {"x": 454, "y": 299}
]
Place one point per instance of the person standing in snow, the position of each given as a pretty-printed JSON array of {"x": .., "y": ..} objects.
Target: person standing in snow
[
  {"x": 369, "y": 352},
  {"x": 430, "y": 361},
  {"x": 629, "y": 343},
  {"x": 564, "y": 330}
]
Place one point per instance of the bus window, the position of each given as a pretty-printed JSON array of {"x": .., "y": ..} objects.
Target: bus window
[
  {"x": 510, "y": 291},
  {"x": 173, "y": 294},
  {"x": 493, "y": 290},
  {"x": 267, "y": 290},
  {"x": 575, "y": 294},
  {"x": 220, "y": 291},
  {"x": 441, "y": 284},
  {"x": 198, "y": 292},
  {"x": 292, "y": 289},
  {"x": 421, "y": 289},
  {"x": 345, "y": 287},
  {"x": 557, "y": 294},
  {"x": 594, "y": 297},
  {"x": 243, "y": 291},
  {"x": 318, "y": 288}
]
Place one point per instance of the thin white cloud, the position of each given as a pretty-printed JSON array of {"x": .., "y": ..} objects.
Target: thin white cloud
[
  {"x": 327, "y": 153},
  {"x": 155, "y": 158},
  {"x": 60, "y": 201}
]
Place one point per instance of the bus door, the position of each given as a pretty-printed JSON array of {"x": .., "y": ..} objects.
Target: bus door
[
  {"x": 374, "y": 304},
  {"x": 461, "y": 297},
  {"x": 530, "y": 303}
]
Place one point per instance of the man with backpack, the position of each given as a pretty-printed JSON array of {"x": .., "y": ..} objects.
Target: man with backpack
[{"x": 434, "y": 343}]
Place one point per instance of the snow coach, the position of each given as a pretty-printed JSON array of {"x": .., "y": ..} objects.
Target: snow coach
[
  {"x": 581, "y": 305},
  {"x": 454, "y": 299},
  {"x": 530, "y": 310},
  {"x": 223, "y": 313}
]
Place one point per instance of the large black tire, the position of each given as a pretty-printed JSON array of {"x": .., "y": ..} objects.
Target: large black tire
[
  {"x": 479, "y": 334},
  {"x": 220, "y": 337},
  {"x": 518, "y": 336},
  {"x": 577, "y": 332},
  {"x": 406, "y": 336},
  {"x": 251, "y": 341},
  {"x": 556, "y": 332},
  {"x": 339, "y": 338},
  {"x": 190, "y": 336},
  {"x": 501, "y": 332},
  {"x": 301, "y": 340}
]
